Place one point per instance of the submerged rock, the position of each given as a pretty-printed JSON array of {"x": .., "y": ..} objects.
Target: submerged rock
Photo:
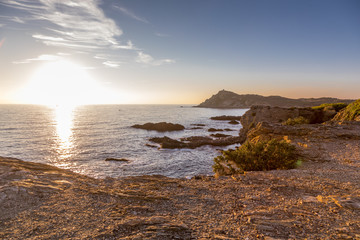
[
  {"x": 160, "y": 127},
  {"x": 224, "y": 117},
  {"x": 215, "y": 130},
  {"x": 233, "y": 122},
  {"x": 219, "y": 135},
  {"x": 117, "y": 159},
  {"x": 195, "y": 141}
]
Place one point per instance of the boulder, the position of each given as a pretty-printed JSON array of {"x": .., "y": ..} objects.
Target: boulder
[
  {"x": 233, "y": 122},
  {"x": 160, "y": 127}
]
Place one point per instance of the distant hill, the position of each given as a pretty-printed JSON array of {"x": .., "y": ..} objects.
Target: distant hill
[{"x": 227, "y": 99}]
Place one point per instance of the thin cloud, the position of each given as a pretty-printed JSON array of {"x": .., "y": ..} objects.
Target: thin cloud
[
  {"x": 132, "y": 15},
  {"x": 75, "y": 23},
  {"x": 149, "y": 60},
  {"x": 78, "y": 25},
  {"x": 112, "y": 64},
  {"x": 128, "y": 46},
  {"x": 43, "y": 57},
  {"x": 162, "y": 34}
]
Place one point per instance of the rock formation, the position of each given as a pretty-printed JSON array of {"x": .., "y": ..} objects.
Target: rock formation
[
  {"x": 277, "y": 115},
  {"x": 227, "y": 99}
]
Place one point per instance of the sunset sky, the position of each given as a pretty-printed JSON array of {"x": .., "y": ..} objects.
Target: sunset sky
[{"x": 167, "y": 51}]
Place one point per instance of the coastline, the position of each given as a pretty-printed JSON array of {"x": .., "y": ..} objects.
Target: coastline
[
  {"x": 318, "y": 200},
  {"x": 321, "y": 199}
]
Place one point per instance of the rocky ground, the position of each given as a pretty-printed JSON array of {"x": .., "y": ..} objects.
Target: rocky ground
[{"x": 319, "y": 200}]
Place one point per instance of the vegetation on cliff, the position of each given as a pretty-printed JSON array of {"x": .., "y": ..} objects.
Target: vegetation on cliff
[
  {"x": 331, "y": 106},
  {"x": 260, "y": 156},
  {"x": 296, "y": 121},
  {"x": 350, "y": 113}
]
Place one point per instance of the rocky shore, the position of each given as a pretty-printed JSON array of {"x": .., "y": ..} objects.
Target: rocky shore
[{"x": 318, "y": 200}]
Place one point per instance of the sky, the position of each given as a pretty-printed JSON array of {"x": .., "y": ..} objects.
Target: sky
[{"x": 176, "y": 52}]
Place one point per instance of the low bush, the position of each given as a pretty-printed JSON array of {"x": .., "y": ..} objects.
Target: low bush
[
  {"x": 326, "y": 106},
  {"x": 296, "y": 121},
  {"x": 261, "y": 156}
]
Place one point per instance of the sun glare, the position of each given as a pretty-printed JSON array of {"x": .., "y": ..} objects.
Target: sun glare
[{"x": 61, "y": 83}]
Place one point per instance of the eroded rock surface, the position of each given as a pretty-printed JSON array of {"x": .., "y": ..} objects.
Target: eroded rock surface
[
  {"x": 317, "y": 201},
  {"x": 278, "y": 115}
]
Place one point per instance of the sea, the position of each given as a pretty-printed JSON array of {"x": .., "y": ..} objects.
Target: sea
[{"x": 81, "y": 138}]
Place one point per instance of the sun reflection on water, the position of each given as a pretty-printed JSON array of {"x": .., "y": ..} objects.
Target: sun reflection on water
[{"x": 64, "y": 118}]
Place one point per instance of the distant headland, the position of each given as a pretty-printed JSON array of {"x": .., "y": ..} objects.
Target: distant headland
[{"x": 227, "y": 99}]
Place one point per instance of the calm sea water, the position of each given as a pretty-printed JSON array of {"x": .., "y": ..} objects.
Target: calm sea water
[{"x": 81, "y": 138}]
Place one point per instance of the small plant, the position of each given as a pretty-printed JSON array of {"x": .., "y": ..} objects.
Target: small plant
[
  {"x": 261, "y": 156},
  {"x": 296, "y": 121},
  {"x": 336, "y": 106}
]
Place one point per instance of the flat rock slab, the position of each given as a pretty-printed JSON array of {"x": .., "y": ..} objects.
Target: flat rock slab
[{"x": 160, "y": 127}]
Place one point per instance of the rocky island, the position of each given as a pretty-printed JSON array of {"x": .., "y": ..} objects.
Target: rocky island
[
  {"x": 320, "y": 199},
  {"x": 227, "y": 99}
]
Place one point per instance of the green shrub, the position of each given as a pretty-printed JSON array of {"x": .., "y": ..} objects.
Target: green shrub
[
  {"x": 296, "y": 121},
  {"x": 336, "y": 106},
  {"x": 261, "y": 156},
  {"x": 350, "y": 113}
]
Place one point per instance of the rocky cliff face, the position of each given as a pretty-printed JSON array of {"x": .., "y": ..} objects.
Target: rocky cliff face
[
  {"x": 278, "y": 115},
  {"x": 227, "y": 99}
]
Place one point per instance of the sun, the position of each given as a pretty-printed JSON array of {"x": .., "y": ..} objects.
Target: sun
[{"x": 61, "y": 83}]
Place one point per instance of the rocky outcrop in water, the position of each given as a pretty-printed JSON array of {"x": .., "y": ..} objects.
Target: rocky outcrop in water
[
  {"x": 227, "y": 99},
  {"x": 160, "y": 127},
  {"x": 195, "y": 141},
  {"x": 224, "y": 118}
]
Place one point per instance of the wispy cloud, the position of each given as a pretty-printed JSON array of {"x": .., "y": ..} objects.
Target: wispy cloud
[
  {"x": 132, "y": 15},
  {"x": 112, "y": 64},
  {"x": 78, "y": 26},
  {"x": 149, "y": 60},
  {"x": 74, "y": 23},
  {"x": 43, "y": 57},
  {"x": 162, "y": 34},
  {"x": 128, "y": 46}
]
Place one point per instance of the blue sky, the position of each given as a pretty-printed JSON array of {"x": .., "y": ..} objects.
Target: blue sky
[{"x": 167, "y": 51}]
